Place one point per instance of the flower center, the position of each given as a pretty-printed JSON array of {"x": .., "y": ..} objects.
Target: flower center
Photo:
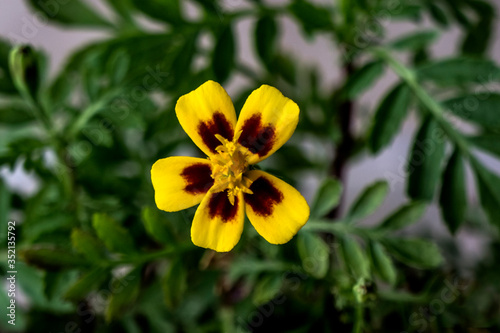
[{"x": 229, "y": 166}]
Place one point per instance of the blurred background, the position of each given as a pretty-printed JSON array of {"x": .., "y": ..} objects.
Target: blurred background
[{"x": 317, "y": 61}]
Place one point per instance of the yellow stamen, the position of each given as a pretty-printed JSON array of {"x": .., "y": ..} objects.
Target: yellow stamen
[{"x": 229, "y": 166}]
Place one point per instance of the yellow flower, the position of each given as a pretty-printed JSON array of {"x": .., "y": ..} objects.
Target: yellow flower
[{"x": 223, "y": 183}]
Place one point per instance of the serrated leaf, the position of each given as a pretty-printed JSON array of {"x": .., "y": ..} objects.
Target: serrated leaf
[
  {"x": 224, "y": 54},
  {"x": 424, "y": 165},
  {"x": 415, "y": 41},
  {"x": 389, "y": 116},
  {"x": 414, "y": 252},
  {"x": 327, "y": 197},
  {"x": 382, "y": 264},
  {"x": 404, "y": 216},
  {"x": 114, "y": 236},
  {"x": 124, "y": 294},
  {"x": 482, "y": 111},
  {"x": 88, "y": 282},
  {"x": 459, "y": 71},
  {"x": 87, "y": 245},
  {"x": 266, "y": 31},
  {"x": 314, "y": 254},
  {"x": 72, "y": 13},
  {"x": 355, "y": 258},
  {"x": 174, "y": 284},
  {"x": 368, "y": 202},
  {"x": 453, "y": 198},
  {"x": 266, "y": 289},
  {"x": 156, "y": 226},
  {"x": 363, "y": 78},
  {"x": 488, "y": 185}
]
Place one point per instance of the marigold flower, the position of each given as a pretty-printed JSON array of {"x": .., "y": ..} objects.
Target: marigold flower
[{"x": 224, "y": 184}]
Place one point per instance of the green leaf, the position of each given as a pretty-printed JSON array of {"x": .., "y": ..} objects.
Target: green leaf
[
  {"x": 453, "y": 198},
  {"x": 114, "y": 236},
  {"x": 314, "y": 254},
  {"x": 174, "y": 284},
  {"x": 414, "y": 252},
  {"x": 363, "y": 78},
  {"x": 487, "y": 142},
  {"x": 164, "y": 10},
  {"x": 15, "y": 113},
  {"x": 6, "y": 83},
  {"x": 118, "y": 66},
  {"x": 25, "y": 66},
  {"x": 88, "y": 282},
  {"x": 224, "y": 54},
  {"x": 438, "y": 14},
  {"x": 285, "y": 67},
  {"x": 266, "y": 289},
  {"x": 480, "y": 109},
  {"x": 355, "y": 258},
  {"x": 368, "y": 202},
  {"x": 266, "y": 31},
  {"x": 157, "y": 226},
  {"x": 459, "y": 71},
  {"x": 415, "y": 41},
  {"x": 51, "y": 258},
  {"x": 71, "y": 12},
  {"x": 424, "y": 167},
  {"x": 327, "y": 197},
  {"x": 404, "y": 216},
  {"x": 382, "y": 263},
  {"x": 310, "y": 16},
  {"x": 389, "y": 116},
  {"x": 488, "y": 185},
  {"x": 87, "y": 245},
  {"x": 123, "y": 294},
  {"x": 478, "y": 35}
]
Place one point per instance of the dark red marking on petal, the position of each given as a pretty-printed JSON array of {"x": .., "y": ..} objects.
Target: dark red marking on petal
[
  {"x": 265, "y": 196},
  {"x": 220, "y": 206},
  {"x": 259, "y": 139},
  {"x": 198, "y": 178},
  {"x": 217, "y": 125}
]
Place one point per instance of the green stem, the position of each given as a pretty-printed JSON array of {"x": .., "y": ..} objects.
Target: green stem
[
  {"x": 358, "y": 321},
  {"x": 437, "y": 111},
  {"x": 90, "y": 112}
]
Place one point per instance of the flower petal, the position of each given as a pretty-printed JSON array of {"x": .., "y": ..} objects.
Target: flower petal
[
  {"x": 217, "y": 224},
  {"x": 205, "y": 112},
  {"x": 267, "y": 120},
  {"x": 180, "y": 182},
  {"x": 275, "y": 209}
]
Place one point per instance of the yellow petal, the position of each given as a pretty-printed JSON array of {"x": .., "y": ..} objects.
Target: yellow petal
[
  {"x": 205, "y": 112},
  {"x": 275, "y": 209},
  {"x": 217, "y": 224},
  {"x": 180, "y": 182},
  {"x": 267, "y": 120}
]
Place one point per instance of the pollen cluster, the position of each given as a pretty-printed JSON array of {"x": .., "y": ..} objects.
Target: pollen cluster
[{"x": 229, "y": 166}]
